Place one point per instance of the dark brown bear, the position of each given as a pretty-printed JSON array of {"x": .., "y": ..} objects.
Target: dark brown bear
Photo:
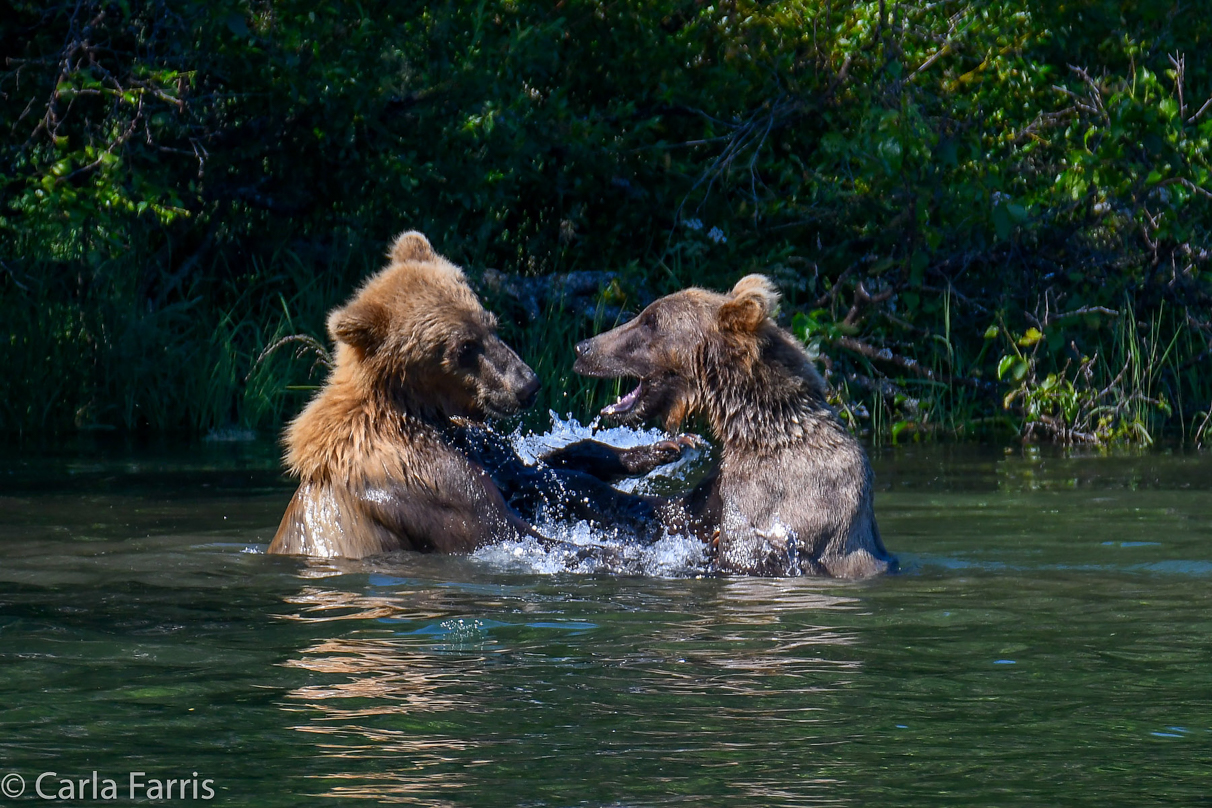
[
  {"x": 792, "y": 494},
  {"x": 382, "y": 461}
]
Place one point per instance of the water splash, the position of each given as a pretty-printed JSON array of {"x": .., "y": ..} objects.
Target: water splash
[
  {"x": 584, "y": 551},
  {"x": 564, "y": 431},
  {"x": 581, "y": 548}
]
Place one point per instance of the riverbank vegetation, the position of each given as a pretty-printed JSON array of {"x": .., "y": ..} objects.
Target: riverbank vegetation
[{"x": 988, "y": 218}]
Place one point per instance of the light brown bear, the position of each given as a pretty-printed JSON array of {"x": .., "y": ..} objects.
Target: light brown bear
[
  {"x": 383, "y": 460},
  {"x": 792, "y": 494},
  {"x": 414, "y": 349}
]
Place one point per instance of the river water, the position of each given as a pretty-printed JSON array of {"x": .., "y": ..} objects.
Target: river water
[{"x": 1047, "y": 642}]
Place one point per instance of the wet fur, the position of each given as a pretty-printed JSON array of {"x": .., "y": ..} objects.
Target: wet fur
[
  {"x": 792, "y": 494},
  {"x": 414, "y": 348},
  {"x": 389, "y": 454}
]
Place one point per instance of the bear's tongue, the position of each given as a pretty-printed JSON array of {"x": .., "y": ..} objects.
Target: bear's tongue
[{"x": 626, "y": 403}]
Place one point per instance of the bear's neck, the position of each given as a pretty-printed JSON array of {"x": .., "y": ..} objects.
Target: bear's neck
[
  {"x": 759, "y": 405},
  {"x": 355, "y": 427}
]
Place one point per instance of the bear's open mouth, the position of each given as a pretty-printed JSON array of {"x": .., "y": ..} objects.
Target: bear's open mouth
[{"x": 626, "y": 403}]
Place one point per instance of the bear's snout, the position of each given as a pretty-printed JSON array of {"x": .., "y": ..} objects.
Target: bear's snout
[
  {"x": 530, "y": 389},
  {"x": 613, "y": 354},
  {"x": 589, "y": 357},
  {"x": 582, "y": 350}
]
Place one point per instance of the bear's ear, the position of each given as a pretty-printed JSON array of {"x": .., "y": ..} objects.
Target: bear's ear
[
  {"x": 412, "y": 246},
  {"x": 361, "y": 324},
  {"x": 750, "y": 303}
]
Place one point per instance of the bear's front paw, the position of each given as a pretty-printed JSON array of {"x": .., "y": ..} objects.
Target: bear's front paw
[
  {"x": 643, "y": 459},
  {"x": 691, "y": 441}
]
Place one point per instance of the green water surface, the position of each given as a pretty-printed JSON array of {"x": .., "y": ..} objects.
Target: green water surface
[{"x": 1048, "y": 642}]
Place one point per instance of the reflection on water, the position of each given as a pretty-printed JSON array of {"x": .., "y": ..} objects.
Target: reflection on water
[
  {"x": 1047, "y": 644},
  {"x": 418, "y": 667},
  {"x": 367, "y": 681}
]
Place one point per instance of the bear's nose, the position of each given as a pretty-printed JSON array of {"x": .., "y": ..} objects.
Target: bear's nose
[{"x": 529, "y": 392}]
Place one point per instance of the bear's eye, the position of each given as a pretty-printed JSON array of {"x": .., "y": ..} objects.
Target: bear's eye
[{"x": 467, "y": 355}]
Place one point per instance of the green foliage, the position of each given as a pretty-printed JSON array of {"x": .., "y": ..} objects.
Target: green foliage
[
  {"x": 1093, "y": 405},
  {"x": 183, "y": 184}
]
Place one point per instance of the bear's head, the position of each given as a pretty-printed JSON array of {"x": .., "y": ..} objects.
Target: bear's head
[
  {"x": 416, "y": 332},
  {"x": 674, "y": 345}
]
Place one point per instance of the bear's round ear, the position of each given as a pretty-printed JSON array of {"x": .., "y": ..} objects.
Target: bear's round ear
[
  {"x": 361, "y": 324},
  {"x": 412, "y": 246},
  {"x": 749, "y": 304}
]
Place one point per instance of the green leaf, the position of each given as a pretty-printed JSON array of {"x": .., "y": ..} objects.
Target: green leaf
[
  {"x": 1013, "y": 366},
  {"x": 1030, "y": 338},
  {"x": 1004, "y": 365}
]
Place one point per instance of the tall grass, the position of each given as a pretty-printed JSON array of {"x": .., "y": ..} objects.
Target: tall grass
[
  {"x": 1132, "y": 383},
  {"x": 85, "y": 356},
  {"x": 547, "y": 343}
]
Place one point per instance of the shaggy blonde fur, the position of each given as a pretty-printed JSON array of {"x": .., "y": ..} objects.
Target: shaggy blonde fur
[{"x": 414, "y": 349}]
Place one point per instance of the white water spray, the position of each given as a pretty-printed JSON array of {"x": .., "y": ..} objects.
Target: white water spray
[{"x": 585, "y": 548}]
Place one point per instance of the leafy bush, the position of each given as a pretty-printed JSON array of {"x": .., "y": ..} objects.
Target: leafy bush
[{"x": 185, "y": 183}]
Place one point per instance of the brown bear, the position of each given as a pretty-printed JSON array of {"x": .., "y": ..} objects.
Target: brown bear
[
  {"x": 381, "y": 452},
  {"x": 792, "y": 493}
]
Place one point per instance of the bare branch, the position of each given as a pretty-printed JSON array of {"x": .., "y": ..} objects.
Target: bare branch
[
  {"x": 938, "y": 54},
  {"x": 910, "y": 365},
  {"x": 1180, "y": 68},
  {"x": 1202, "y": 110}
]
